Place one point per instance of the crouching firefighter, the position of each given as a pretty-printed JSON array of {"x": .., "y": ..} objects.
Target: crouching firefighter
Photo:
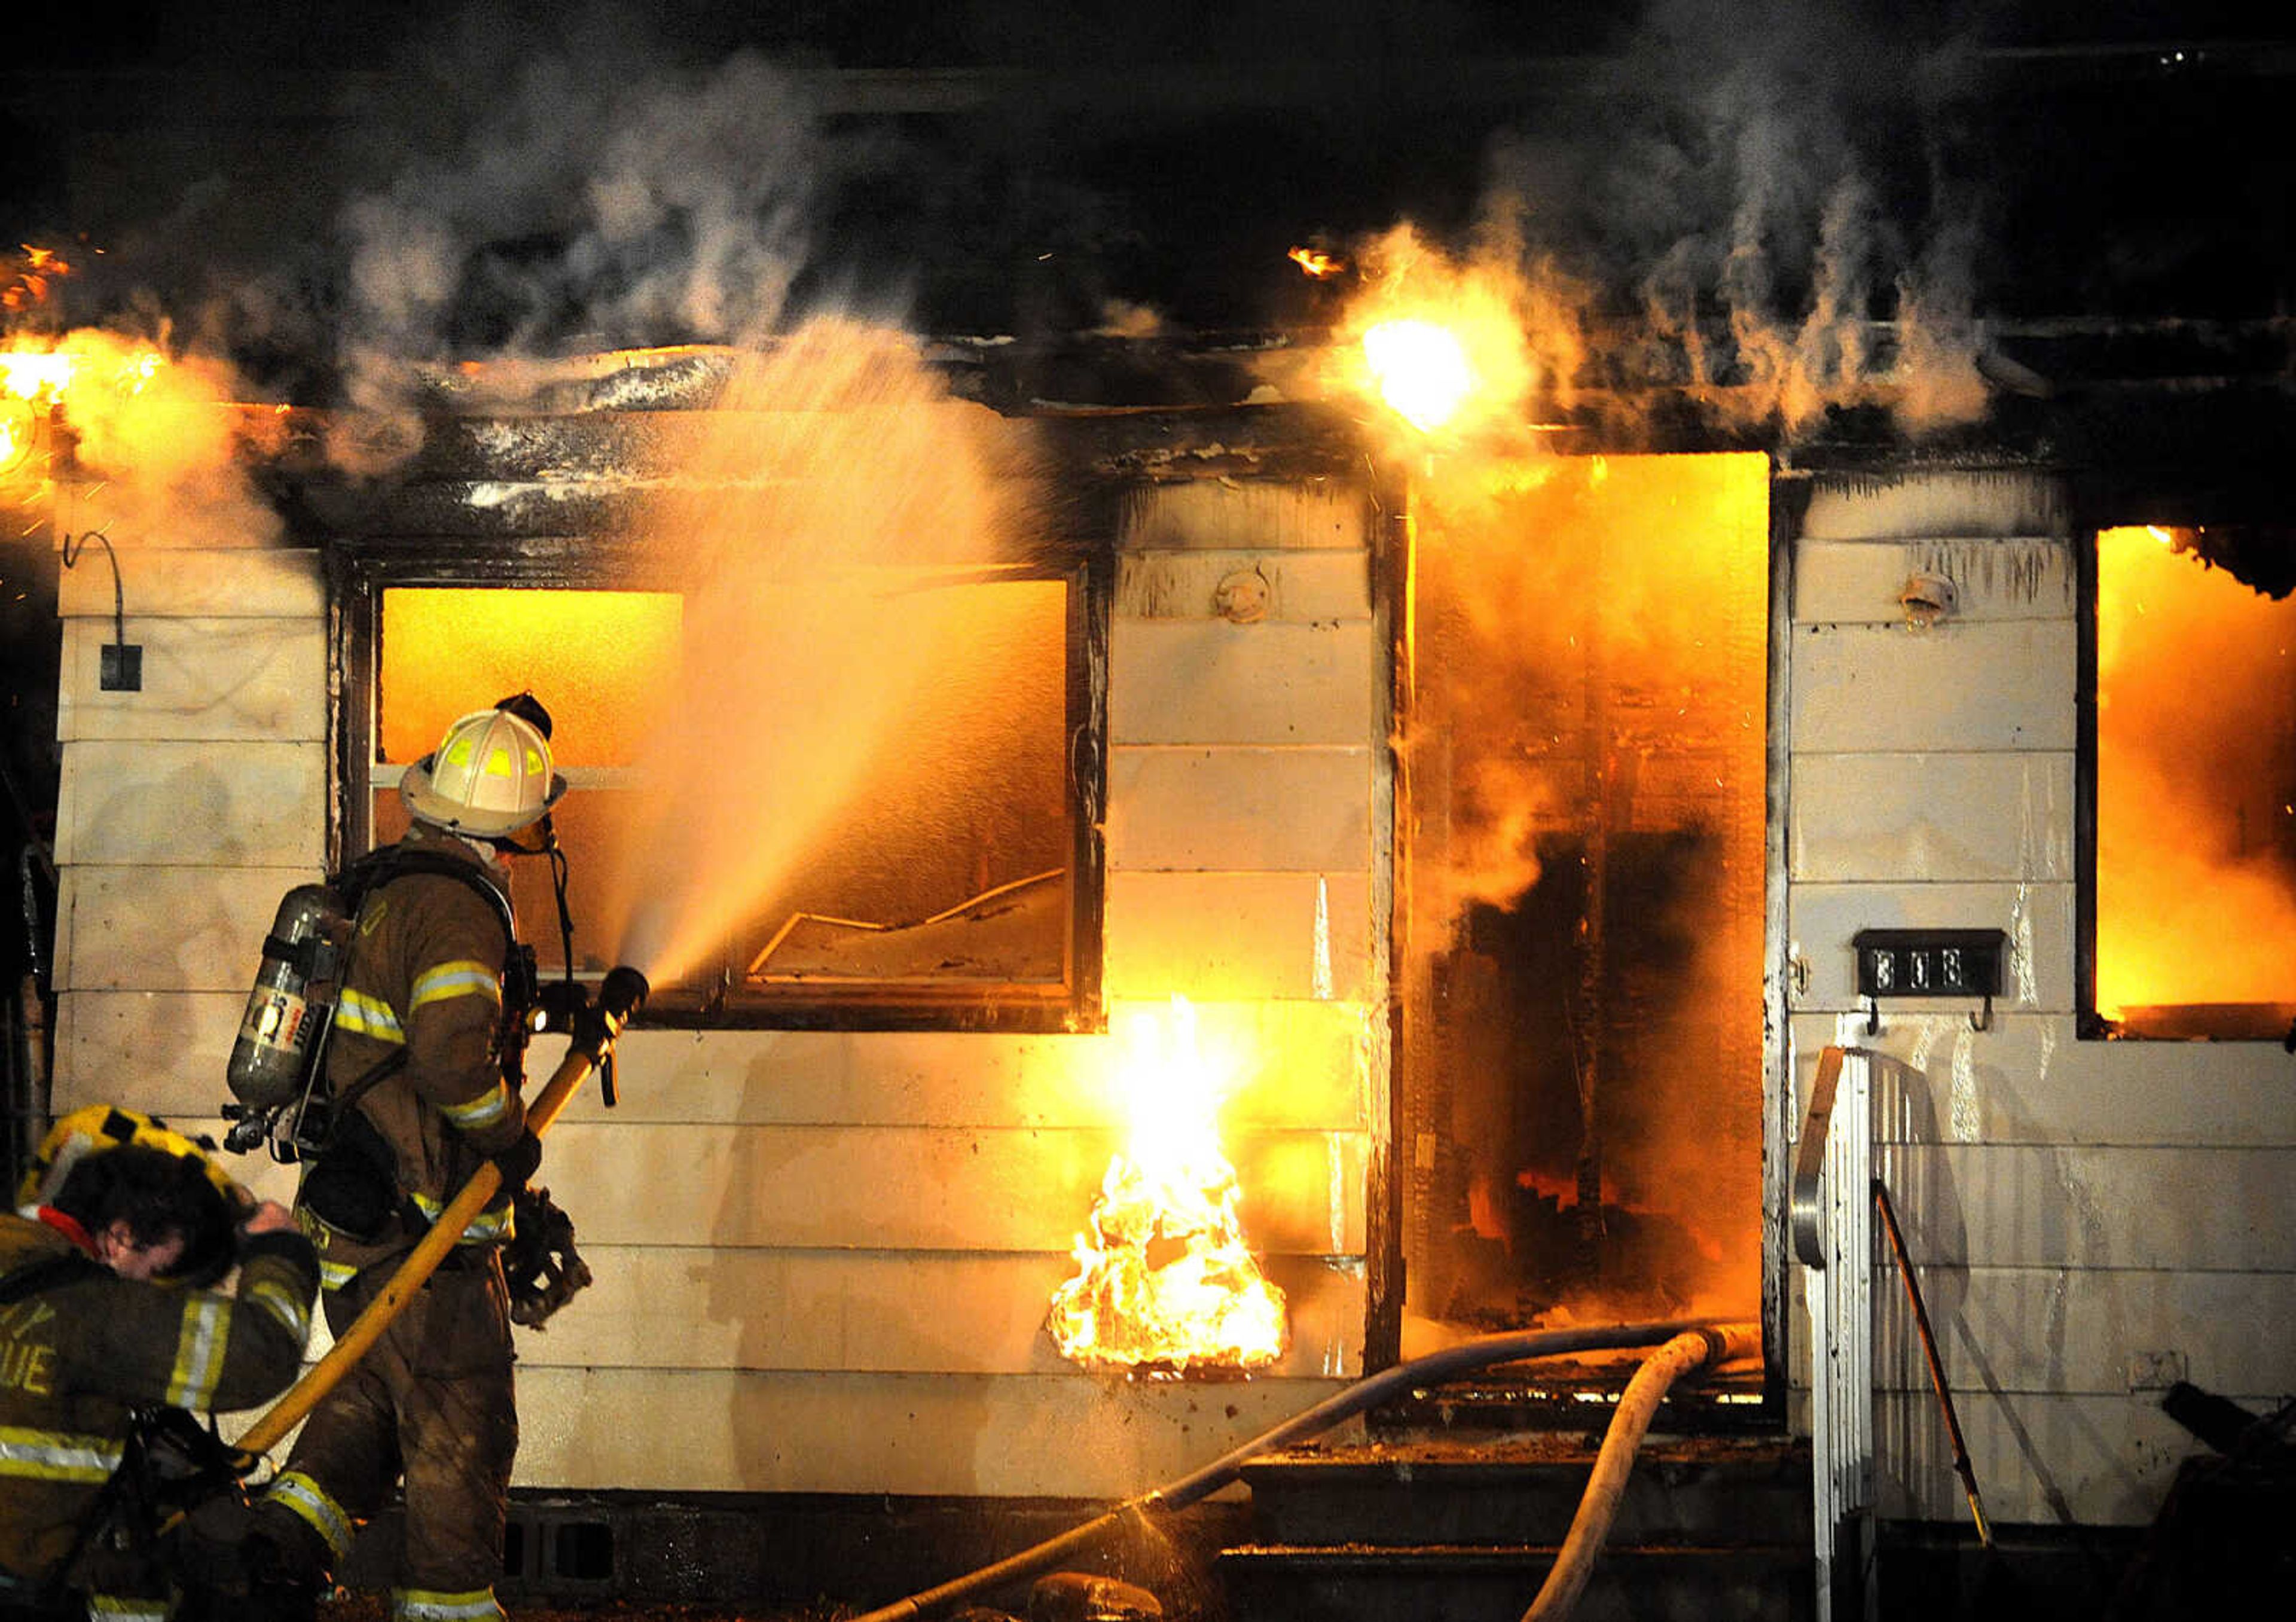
[
  {"x": 422, "y": 1068},
  {"x": 110, "y": 1342}
]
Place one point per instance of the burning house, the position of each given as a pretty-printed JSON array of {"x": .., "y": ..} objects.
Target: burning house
[{"x": 1184, "y": 865}]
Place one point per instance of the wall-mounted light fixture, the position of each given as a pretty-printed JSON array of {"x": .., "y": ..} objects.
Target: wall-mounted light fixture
[
  {"x": 120, "y": 665},
  {"x": 1241, "y": 598},
  {"x": 1928, "y": 963},
  {"x": 1928, "y": 598}
]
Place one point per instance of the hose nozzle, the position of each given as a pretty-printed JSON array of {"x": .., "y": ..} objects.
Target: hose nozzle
[{"x": 622, "y": 994}]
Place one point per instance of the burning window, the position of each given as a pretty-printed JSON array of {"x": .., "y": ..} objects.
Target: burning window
[
  {"x": 2193, "y": 883},
  {"x": 855, "y": 804}
]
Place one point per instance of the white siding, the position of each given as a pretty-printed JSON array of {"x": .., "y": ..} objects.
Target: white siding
[
  {"x": 184, "y": 809},
  {"x": 831, "y": 1254},
  {"x": 2082, "y": 1216},
  {"x": 825, "y": 1258}
]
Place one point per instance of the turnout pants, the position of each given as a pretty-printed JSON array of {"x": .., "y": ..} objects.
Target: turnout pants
[{"x": 432, "y": 1401}]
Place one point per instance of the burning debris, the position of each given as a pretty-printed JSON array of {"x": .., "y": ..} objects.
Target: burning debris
[
  {"x": 28, "y": 278},
  {"x": 1164, "y": 1280}
]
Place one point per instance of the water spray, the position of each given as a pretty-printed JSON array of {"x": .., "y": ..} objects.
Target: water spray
[{"x": 589, "y": 1048}]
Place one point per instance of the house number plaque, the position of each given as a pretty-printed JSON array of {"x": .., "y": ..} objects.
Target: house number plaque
[{"x": 1928, "y": 963}]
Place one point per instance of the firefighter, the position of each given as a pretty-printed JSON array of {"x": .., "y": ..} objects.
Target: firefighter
[
  {"x": 107, "y": 1337},
  {"x": 422, "y": 1066}
]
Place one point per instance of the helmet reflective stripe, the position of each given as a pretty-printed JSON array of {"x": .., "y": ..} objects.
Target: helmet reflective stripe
[
  {"x": 481, "y": 1112},
  {"x": 429, "y": 1605},
  {"x": 280, "y": 1302},
  {"x": 486, "y": 1227},
  {"x": 309, "y": 1502},
  {"x": 463, "y": 977},
  {"x": 56, "y": 1455},
  {"x": 198, "y": 1353},
  {"x": 122, "y": 1608},
  {"x": 369, "y": 1016}
]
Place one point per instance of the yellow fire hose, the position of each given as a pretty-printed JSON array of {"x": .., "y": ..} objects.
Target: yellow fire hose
[{"x": 620, "y": 996}]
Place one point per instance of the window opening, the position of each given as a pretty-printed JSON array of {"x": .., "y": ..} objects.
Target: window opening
[
  {"x": 793, "y": 852},
  {"x": 2193, "y": 767}
]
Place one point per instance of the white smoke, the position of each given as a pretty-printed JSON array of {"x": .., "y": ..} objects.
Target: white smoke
[{"x": 1729, "y": 196}]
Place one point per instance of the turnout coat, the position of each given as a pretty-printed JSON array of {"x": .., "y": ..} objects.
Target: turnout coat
[{"x": 84, "y": 1346}]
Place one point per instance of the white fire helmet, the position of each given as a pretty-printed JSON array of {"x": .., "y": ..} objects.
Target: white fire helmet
[{"x": 489, "y": 776}]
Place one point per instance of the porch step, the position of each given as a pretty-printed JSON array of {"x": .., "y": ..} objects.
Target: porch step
[
  {"x": 1745, "y": 1583},
  {"x": 1716, "y": 1529},
  {"x": 1525, "y": 1489}
]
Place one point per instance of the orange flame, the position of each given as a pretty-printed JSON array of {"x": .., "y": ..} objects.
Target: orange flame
[
  {"x": 1317, "y": 263},
  {"x": 38, "y": 375},
  {"x": 29, "y": 279},
  {"x": 1450, "y": 345},
  {"x": 31, "y": 381},
  {"x": 96, "y": 384},
  {"x": 1164, "y": 1279}
]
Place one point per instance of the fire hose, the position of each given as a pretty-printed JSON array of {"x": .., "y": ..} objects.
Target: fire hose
[
  {"x": 1684, "y": 1347},
  {"x": 623, "y": 993}
]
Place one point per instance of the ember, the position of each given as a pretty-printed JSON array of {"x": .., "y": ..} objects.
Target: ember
[{"x": 1164, "y": 1280}]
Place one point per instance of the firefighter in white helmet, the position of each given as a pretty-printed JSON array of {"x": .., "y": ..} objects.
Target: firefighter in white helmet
[{"x": 424, "y": 1068}]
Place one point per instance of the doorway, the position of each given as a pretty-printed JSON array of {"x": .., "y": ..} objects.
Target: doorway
[{"x": 1581, "y": 872}]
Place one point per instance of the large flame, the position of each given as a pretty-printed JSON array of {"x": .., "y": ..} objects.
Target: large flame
[
  {"x": 1421, "y": 370},
  {"x": 152, "y": 437},
  {"x": 96, "y": 380},
  {"x": 1451, "y": 344},
  {"x": 1164, "y": 1278}
]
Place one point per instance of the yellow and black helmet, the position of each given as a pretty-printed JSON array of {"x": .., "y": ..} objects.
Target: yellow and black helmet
[{"x": 78, "y": 1138}]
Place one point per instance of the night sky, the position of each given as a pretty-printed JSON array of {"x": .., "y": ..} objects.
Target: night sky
[{"x": 295, "y": 185}]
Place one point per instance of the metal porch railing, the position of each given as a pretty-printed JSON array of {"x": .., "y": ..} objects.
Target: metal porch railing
[{"x": 1835, "y": 1198}]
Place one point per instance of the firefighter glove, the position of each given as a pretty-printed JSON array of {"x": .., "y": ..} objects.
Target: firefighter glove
[
  {"x": 540, "y": 1265},
  {"x": 519, "y": 1162}
]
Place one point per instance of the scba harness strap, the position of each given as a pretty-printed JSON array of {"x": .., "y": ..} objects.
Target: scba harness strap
[
  {"x": 377, "y": 868},
  {"x": 319, "y": 1117}
]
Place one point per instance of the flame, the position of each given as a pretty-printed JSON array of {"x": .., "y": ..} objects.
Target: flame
[
  {"x": 1163, "y": 1277},
  {"x": 1451, "y": 344},
  {"x": 159, "y": 433},
  {"x": 28, "y": 281},
  {"x": 19, "y": 424},
  {"x": 1317, "y": 263},
  {"x": 38, "y": 375},
  {"x": 1421, "y": 370},
  {"x": 31, "y": 381}
]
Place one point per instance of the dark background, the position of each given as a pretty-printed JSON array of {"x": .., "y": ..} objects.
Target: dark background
[{"x": 999, "y": 168}]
